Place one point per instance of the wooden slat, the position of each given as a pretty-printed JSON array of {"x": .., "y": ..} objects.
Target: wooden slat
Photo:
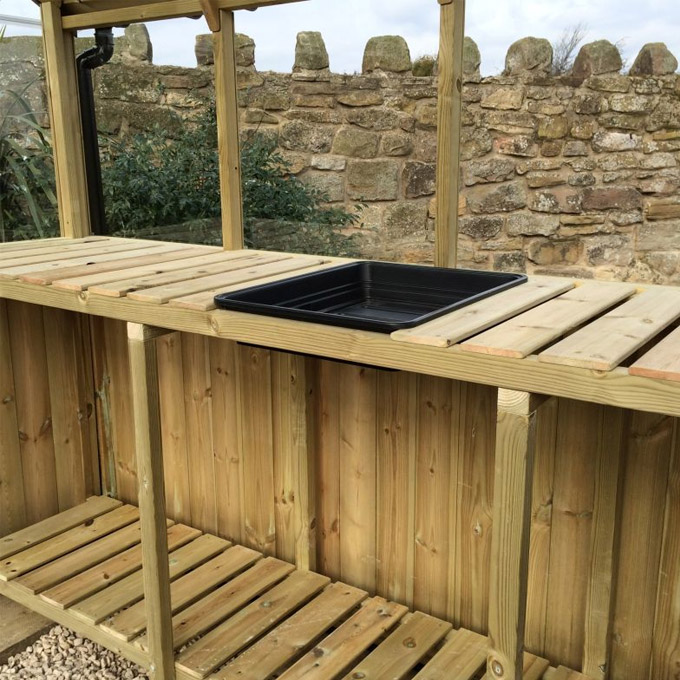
[
  {"x": 131, "y": 622},
  {"x": 55, "y": 547},
  {"x": 477, "y": 317},
  {"x": 294, "y": 482},
  {"x": 118, "y": 283},
  {"x": 327, "y": 445},
  {"x": 257, "y": 448},
  {"x": 460, "y": 658},
  {"x": 130, "y": 589},
  {"x": 12, "y": 498},
  {"x": 177, "y": 279},
  {"x": 33, "y": 408},
  {"x": 402, "y": 650},
  {"x": 57, "y": 524},
  {"x": 227, "y": 461},
  {"x": 227, "y": 114},
  {"x": 535, "y": 668},
  {"x": 119, "y": 262},
  {"x": 340, "y": 650},
  {"x": 449, "y": 109},
  {"x": 471, "y": 502},
  {"x": 79, "y": 560},
  {"x": 31, "y": 244},
  {"x": 605, "y": 343},
  {"x": 274, "y": 265},
  {"x": 666, "y": 646},
  {"x": 599, "y": 612},
  {"x": 111, "y": 571},
  {"x": 645, "y": 487},
  {"x": 225, "y": 601},
  {"x": 225, "y": 641},
  {"x": 396, "y": 460},
  {"x": 662, "y": 361},
  {"x": 358, "y": 474},
  {"x": 437, "y": 453},
  {"x": 205, "y": 300},
  {"x": 173, "y": 427},
  {"x": 199, "y": 426},
  {"x": 538, "y": 327},
  {"x": 294, "y": 636},
  {"x": 71, "y": 256}
]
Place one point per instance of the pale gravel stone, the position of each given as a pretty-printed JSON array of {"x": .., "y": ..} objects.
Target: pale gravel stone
[{"x": 60, "y": 654}]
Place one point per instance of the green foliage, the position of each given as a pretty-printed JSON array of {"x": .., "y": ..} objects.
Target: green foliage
[
  {"x": 424, "y": 66},
  {"x": 150, "y": 182},
  {"x": 27, "y": 196}
]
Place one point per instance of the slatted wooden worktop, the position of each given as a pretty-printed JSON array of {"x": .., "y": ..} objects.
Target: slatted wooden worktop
[
  {"x": 236, "y": 613},
  {"x": 612, "y": 343}
]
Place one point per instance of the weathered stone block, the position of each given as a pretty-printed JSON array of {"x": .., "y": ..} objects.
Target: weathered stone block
[
  {"x": 613, "y": 82},
  {"x": 654, "y": 59},
  {"x": 426, "y": 115},
  {"x": 361, "y": 98},
  {"x": 589, "y": 104},
  {"x": 575, "y": 149},
  {"x": 663, "y": 235},
  {"x": 310, "y": 52},
  {"x": 297, "y": 135},
  {"x": 614, "y": 250},
  {"x": 611, "y": 198},
  {"x": 396, "y": 144},
  {"x": 258, "y": 116},
  {"x": 530, "y": 224},
  {"x": 387, "y": 53},
  {"x": 373, "y": 180},
  {"x": 539, "y": 180},
  {"x": 330, "y": 184},
  {"x": 374, "y": 119},
  {"x": 244, "y": 47},
  {"x": 555, "y": 201},
  {"x": 510, "y": 262},
  {"x": 355, "y": 142},
  {"x": 503, "y": 198},
  {"x": 583, "y": 129},
  {"x": 138, "y": 47},
  {"x": 505, "y": 98},
  {"x": 582, "y": 179},
  {"x": 596, "y": 58},
  {"x": 631, "y": 103},
  {"x": 553, "y": 128},
  {"x": 419, "y": 179},
  {"x": 481, "y": 227},
  {"x": 405, "y": 218},
  {"x": 516, "y": 146},
  {"x": 615, "y": 141},
  {"x": 472, "y": 59},
  {"x": 529, "y": 54},
  {"x": 328, "y": 162},
  {"x": 488, "y": 170},
  {"x": 554, "y": 252}
]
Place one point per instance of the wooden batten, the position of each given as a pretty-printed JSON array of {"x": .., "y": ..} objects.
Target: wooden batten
[{"x": 452, "y": 32}]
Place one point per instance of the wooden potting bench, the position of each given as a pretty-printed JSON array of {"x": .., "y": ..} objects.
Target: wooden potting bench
[{"x": 409, "y": 470}]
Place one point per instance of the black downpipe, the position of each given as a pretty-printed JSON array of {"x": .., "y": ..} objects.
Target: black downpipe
[{"x": 87, "y": 61}]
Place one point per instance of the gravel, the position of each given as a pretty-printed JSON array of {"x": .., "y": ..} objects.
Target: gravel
[{"x": 61, "y": 655}]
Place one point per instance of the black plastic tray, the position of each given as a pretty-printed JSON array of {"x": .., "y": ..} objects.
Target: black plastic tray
[{"x": 375, "y": 296}]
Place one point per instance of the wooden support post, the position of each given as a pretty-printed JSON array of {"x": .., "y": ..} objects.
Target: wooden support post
[
  {"x": 212, "y": 14},
  {"x": 515, "y": 445},
  {"x": 67, "y": 134},
  {"x": 155, "y": 568},
  {"x": 227, "y": 132},
  {"x": 452, "y": 33}
]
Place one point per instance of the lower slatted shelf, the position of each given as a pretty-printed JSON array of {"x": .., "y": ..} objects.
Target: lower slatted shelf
[{"x": 237, "y": 615}]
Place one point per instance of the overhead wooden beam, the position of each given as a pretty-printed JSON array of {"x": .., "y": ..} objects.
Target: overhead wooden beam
[
  {"x": 452, "y": 33},
  {"x": 226, "y": 108},
  {"x": 67, "y": 134},
  {"x": 212, "y": 14},
  {"x": 124, "y": 12}
]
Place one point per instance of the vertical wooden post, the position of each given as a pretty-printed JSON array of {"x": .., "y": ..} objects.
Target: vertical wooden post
[
  {"x": 155, "y": 568},
  {"x": 515, "y": 446},
  {"x": 452, "y": 33},
  {"x": 67, "y": 134},
  {"x": 227, "y": 132}
]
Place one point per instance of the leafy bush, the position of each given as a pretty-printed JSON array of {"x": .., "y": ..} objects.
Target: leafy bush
[
  {"x": 150, "y": 182},
  {"x": 27, "y": 196}
]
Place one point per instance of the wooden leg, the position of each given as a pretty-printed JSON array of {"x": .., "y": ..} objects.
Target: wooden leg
[
  {"x": 515, "y": 445},
  {"x": 144, "y": 375}
]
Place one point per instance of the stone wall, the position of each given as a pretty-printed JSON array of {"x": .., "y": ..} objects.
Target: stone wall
[{"x": 576, "y": 174}]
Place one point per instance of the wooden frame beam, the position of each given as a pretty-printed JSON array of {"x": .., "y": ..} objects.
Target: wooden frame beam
[
  {"x": 123, "y": 12},
  {"x": 226, "y": 109},
  {"x": 155, "y": 566},
  {"x": 452, "y": 34},
  {"x": 212, "y": 14},
  {"x": 515, "y": 447},
  {"x": 67, "y": 134}
]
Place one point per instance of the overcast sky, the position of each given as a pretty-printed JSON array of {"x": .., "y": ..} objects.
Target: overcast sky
[{"x": 347, "y": 24}]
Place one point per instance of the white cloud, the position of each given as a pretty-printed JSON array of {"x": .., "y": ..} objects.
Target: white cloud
[{"x": 348, "y": 24}]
